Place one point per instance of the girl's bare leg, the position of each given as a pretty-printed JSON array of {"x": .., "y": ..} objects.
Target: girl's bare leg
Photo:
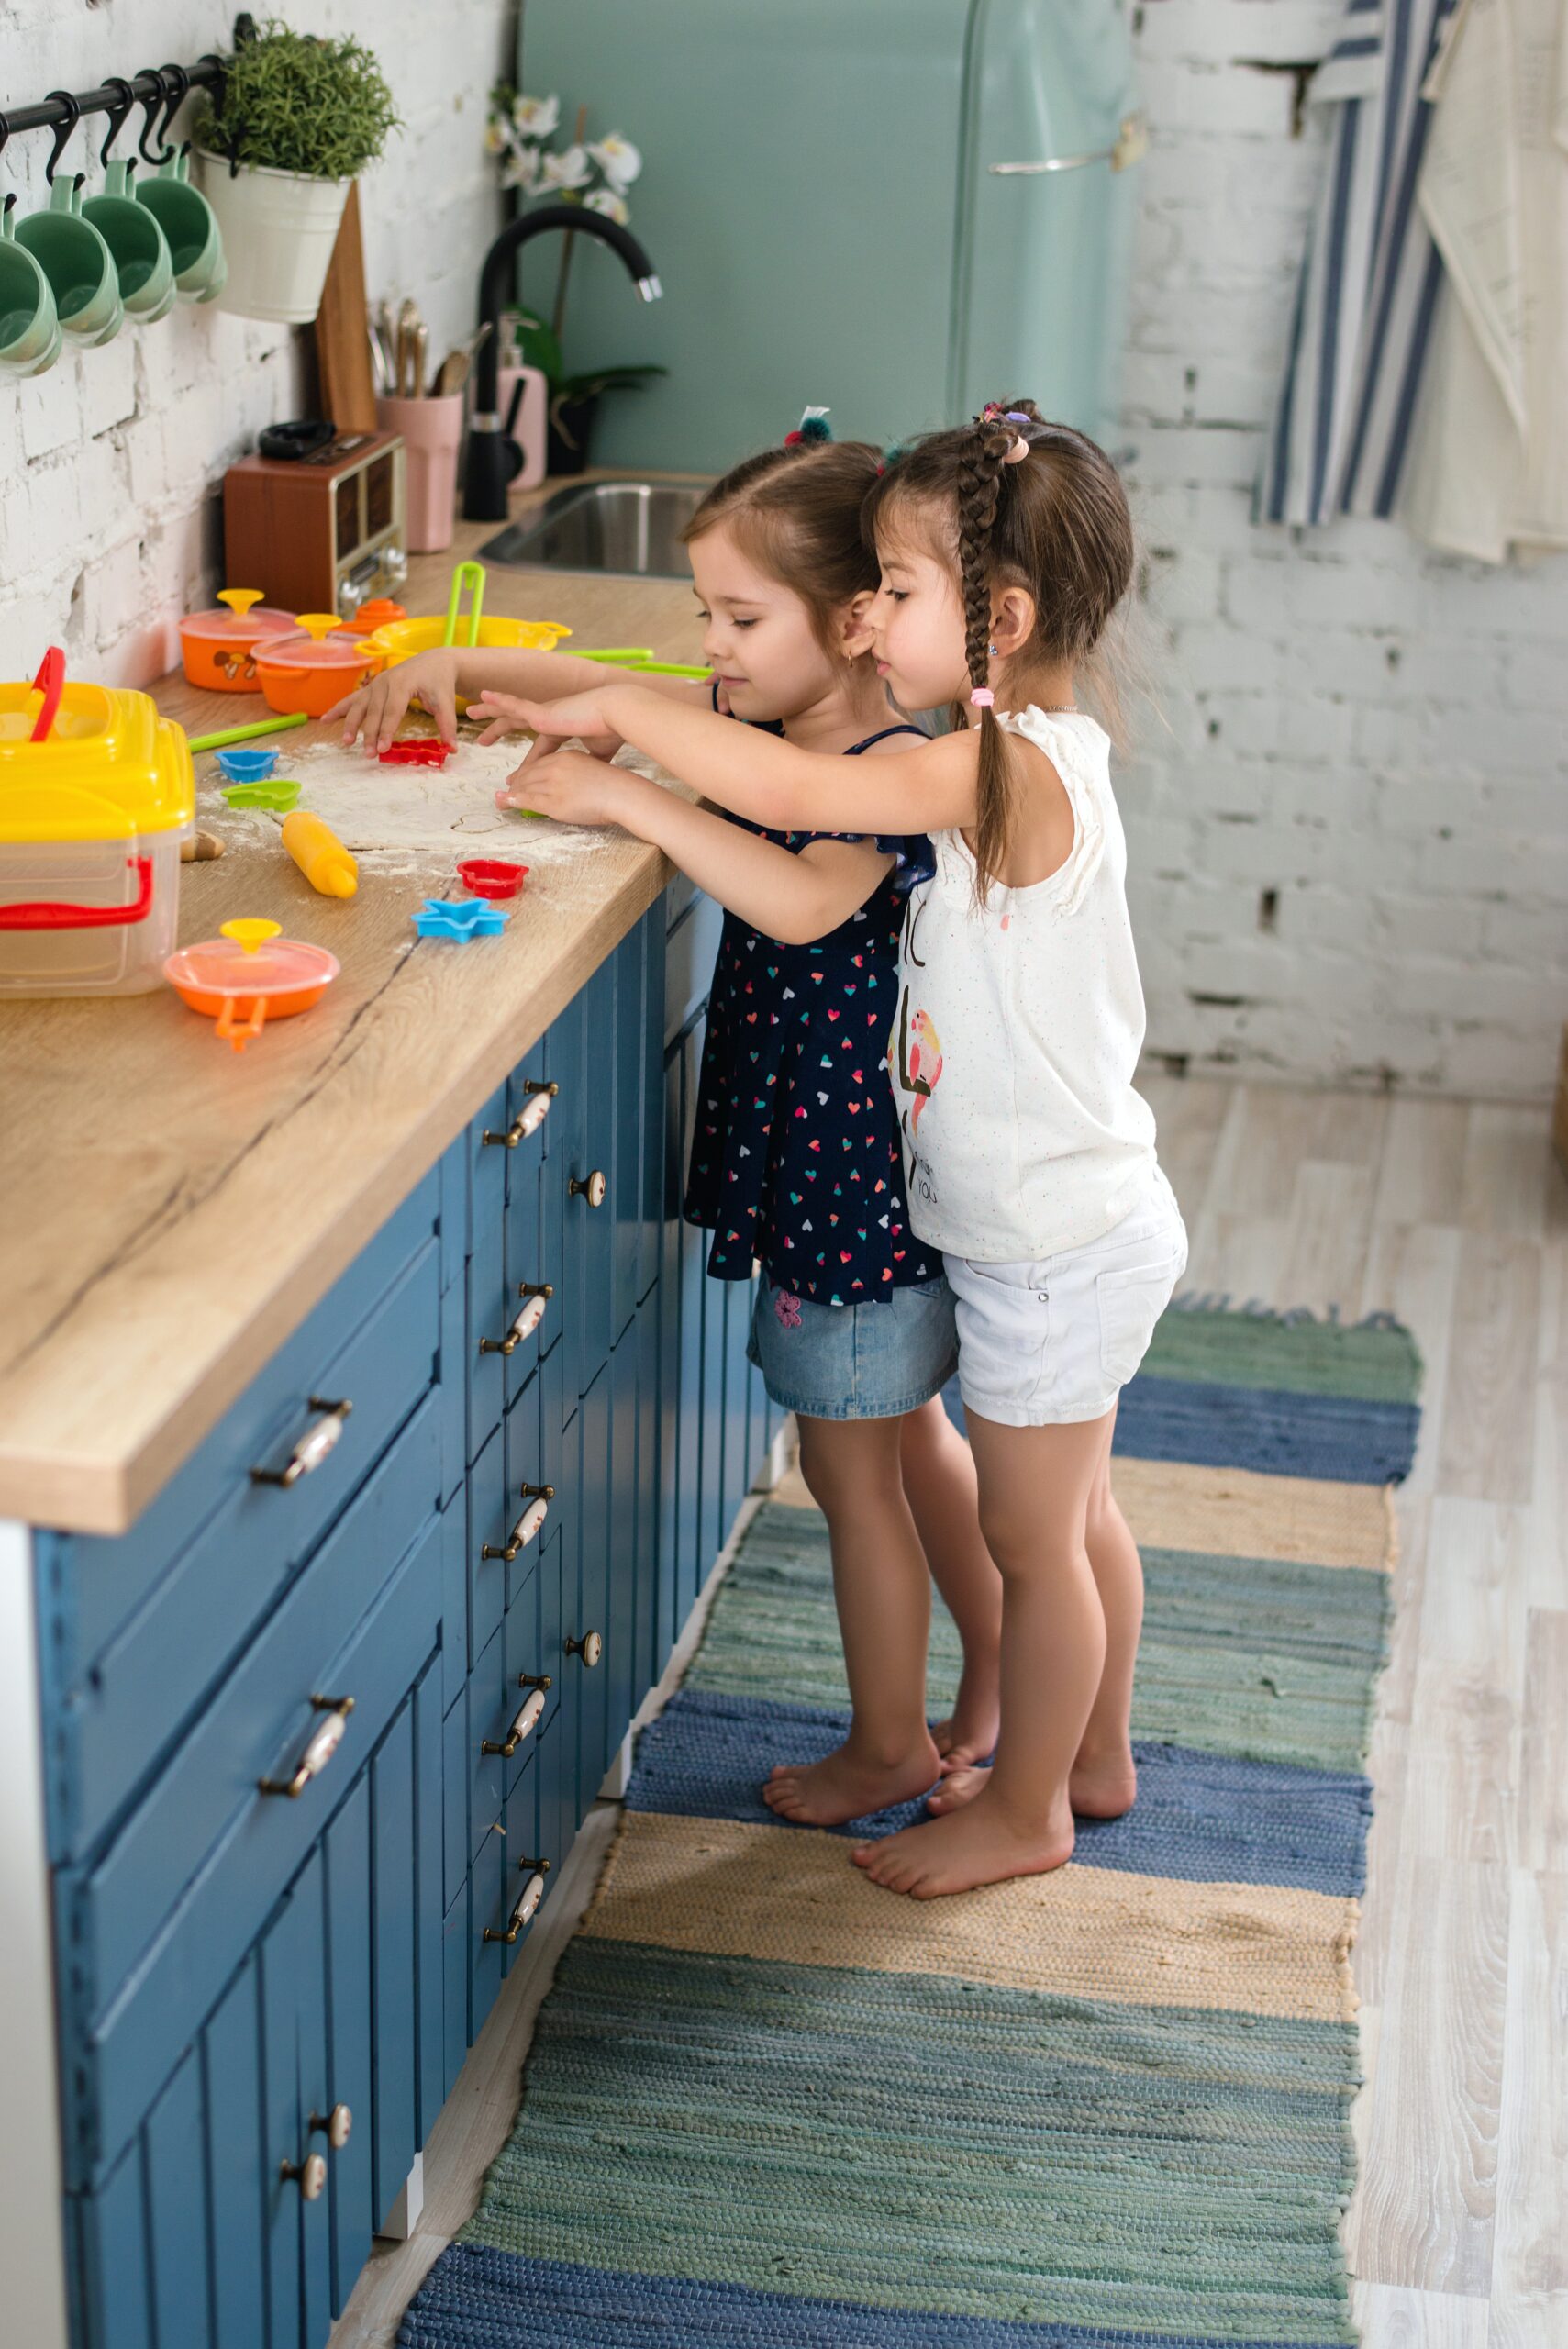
[
  {"x": 1103, "y": 1782},
  {"x": 938, "y": 1478},
  {"x": 1035, "y": 1488},
  {"x": 884, "y": 1596}
]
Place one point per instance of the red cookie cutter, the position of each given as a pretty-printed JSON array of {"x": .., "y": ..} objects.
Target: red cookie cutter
[
  {"x": 420, "y": 751},
  {"x": 495, "y": 877}
]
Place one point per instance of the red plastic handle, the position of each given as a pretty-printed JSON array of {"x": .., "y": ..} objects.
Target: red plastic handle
[
  {"x": 50, "y": 683},
  {"x": 44, "y": 914}
]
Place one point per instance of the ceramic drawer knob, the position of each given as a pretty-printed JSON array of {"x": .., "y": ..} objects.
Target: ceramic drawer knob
[
  {"x": 313, "y": 1447},
  {"x": 311, "y": 2174},
  {"x": 530, "y": 1117},
  {"x": 318, "y": 1751},
  {"x": 527, "y": 1721},
  {"x": 337, "y": 2126},
  {"x": 525, "y": 1325},
  {"x": 591, "y": 1187},
  {"x": 590, "y": 1647},
  {"x": 527, "y": 1903},
  {"x": 526, "y": 1526}
]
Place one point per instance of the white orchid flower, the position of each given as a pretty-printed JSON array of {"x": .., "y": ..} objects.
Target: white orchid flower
[
  {"x": 535, "y": 118},
  {"x": 571, "y": 168},
  {"x": 521, "y": 170},
  {"x": 606, "y": 200},
  {"x": 497, "y": 138},
  {"x": 618, "y": 159}
]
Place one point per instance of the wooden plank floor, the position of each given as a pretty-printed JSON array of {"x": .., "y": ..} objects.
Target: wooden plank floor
[{"x": 1455, "y": 1217}]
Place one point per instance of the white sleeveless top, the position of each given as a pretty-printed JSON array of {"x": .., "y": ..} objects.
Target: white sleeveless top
[{"x": 1019, "y": 1031}]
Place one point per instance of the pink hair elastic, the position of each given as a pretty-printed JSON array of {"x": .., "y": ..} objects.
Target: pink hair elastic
[{"x": 982, "y": 699}]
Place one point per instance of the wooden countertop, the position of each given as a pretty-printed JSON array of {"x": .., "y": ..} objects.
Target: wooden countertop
[{"x": 172, "y": 1209}]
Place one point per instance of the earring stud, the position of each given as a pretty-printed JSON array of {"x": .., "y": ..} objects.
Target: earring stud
[{"x": 992, "y": 649}]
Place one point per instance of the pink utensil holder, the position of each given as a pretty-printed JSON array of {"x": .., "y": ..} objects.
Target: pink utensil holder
[{"x": 432, "y": 436}]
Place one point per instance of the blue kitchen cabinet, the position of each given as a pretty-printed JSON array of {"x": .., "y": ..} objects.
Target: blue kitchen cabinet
[{"x": 281, "y": 1918}]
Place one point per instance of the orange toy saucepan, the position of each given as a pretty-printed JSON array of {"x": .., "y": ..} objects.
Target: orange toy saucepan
[
  {"x": 248, "y": 975},
  {"x": 315, "y": 667},
  {"x": 218, "y": 647}
]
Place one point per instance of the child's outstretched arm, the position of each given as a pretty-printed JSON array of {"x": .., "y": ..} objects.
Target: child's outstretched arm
[
  {"x": 792, "y": 895},
  {"x": 757, "y": 774},
  {"x": 438, "y": 677}
]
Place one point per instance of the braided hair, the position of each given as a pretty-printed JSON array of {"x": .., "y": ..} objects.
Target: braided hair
[{"x": 1055, "y": 522}]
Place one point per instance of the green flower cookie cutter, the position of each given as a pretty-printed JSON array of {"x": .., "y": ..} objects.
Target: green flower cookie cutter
[{"x": 277, "y": 794}]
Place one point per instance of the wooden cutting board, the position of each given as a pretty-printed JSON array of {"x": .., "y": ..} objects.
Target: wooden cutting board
[{"x": 342, "y": 336}]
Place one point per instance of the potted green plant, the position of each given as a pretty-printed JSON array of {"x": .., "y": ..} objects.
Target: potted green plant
[
  {"x": 596, "y": 173},
  {"x": 296, "y": 120}
]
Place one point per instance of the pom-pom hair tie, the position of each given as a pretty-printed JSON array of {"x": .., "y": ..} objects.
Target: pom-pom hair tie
[
  {"x": 813, "y": 427},
  {"x": 982, "y": 698}
]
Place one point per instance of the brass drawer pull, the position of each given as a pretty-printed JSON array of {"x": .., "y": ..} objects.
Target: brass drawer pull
[
  {"x": 527, "y": 1904},
  {"x": 312, "y": 2176},
  {"x": 530, "y": 1117},
  {"x": 318, "y": 1751},
  {"x": 592, "y": 1187},
  {"x": 525, "y": 1325},
  {"x": 535, "y": 1680},
  {"x": 590, "y": 1647},
  {"x": 538, "y": 1492},
  {"x": 337, "y": 2126},
  {"x": 527, "y": 1720},
  {"x": 313, "y": 1445},
  {"x": 523, "y": 1532}
]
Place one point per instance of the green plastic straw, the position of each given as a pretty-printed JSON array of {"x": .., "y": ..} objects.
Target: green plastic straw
[
  {"x": 620, "y": 652},
  {"x": 673, "y": 668},
  {"x": 247, "y": 734}
]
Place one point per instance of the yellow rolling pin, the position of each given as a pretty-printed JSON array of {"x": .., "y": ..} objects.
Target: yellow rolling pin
[{"x": 320, "y": 854}]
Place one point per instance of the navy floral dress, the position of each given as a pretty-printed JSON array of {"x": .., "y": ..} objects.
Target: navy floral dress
[{"x": 794, "y": 1156}]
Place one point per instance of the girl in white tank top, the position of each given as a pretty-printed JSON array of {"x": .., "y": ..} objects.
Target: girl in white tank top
[{"x": 1004, "y": 546}]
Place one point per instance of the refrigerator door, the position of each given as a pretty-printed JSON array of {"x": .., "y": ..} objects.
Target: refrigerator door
[
  {"x": 798, "y": 199},
  {"x": 1051, "y": 141}
]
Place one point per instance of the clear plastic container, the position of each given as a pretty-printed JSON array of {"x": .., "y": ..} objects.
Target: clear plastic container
[{"x": 92, "y": 813}]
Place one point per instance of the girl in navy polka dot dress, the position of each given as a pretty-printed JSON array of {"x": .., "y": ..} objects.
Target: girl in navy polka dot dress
[{"x": 796, "y": 1158}]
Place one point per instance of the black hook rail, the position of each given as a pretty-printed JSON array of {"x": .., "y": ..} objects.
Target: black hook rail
[{"x": 154, "y": 86}]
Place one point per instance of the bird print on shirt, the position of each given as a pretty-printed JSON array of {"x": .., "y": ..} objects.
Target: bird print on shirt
[{"x": 920, "y": 1058}]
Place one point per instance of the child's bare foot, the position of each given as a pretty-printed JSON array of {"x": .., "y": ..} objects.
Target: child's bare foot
[
  {"x": 980, "y": 1845},
  {"x": 843, "y": 1785},
  {"x": 1103, "y": 1785},
  {"x": 969, "y": 1734}
]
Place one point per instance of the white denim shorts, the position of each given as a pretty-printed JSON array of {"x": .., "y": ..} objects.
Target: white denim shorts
[{"x": 1052, "y": 1343}]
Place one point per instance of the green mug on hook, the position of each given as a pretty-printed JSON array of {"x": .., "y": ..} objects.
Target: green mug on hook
[
  {"x": 190, "y": 226},
  {"x": 77, "y": 264},
  {"x": 30, "y": 325},
  {"x": 135, "y": 238}
]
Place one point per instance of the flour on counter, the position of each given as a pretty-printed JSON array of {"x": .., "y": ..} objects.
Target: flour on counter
[{"x": 433, "y": 810}]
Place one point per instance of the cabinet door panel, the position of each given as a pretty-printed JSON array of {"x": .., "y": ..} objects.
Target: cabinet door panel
[
  {"x": 590, "y": 1231},
  {"x": 591, "y": 1682},
  {"x": 118, "y": 2279},
  {"x": 238, "y": 2174},
  {"x": 349, "y": 1987},
  {"x": 177, "y": 2207},
  {"x": 630, "y": 991}
]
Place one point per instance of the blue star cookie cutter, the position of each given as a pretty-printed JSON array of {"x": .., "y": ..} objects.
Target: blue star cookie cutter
[{"x": 460, "y": 918}]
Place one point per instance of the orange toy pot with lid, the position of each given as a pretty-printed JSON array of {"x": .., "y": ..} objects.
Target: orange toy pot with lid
[
  {"x": 315, "y": 667},
  {"x": 248, "y": 975},
  {"x": 218, "y": 646}
]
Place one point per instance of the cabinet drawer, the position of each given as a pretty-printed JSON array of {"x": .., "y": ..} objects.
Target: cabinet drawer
[
  {"x": 133, "y": 1700},
  {"x": 150, "y": 1931}
]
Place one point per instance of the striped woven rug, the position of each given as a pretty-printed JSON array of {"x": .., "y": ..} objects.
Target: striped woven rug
[{"x": 770, "y": 2104}]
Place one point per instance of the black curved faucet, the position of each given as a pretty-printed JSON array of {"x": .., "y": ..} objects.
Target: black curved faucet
[{"x": 492, "y": 460}]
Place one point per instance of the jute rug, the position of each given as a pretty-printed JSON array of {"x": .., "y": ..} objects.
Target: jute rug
[{"x": 771, "y": 2104}]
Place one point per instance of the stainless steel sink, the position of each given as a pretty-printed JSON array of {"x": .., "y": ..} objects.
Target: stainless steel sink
[{"x": 629, "y": 528}]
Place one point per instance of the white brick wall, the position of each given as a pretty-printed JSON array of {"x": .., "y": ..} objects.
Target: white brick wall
[
  {"x": 111, "y": 465},
  {"x": 1350, "y": 834}
]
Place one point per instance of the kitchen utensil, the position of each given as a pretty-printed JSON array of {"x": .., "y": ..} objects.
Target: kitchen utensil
[
  {"x": 314, "y": 667},
  {"x": 468, "y": 576},
  {"x": 248, "y": 975},
  {"x": 218, "y": 647},
  {"x": 432, "y": 438},
  {"x": 459, "y": 918},
  {"x": 245, "y": 733},
  {"x": 326, "y": 532},
  {"x": 411, "y": 345},
  {"x": 143, "y": 263},
  {"x": 247, "y": 766},
  {"x": 342, "y": 329},
  {"x": 494, "y": 877},
  {"x": 403, "y": 638},
  {"x": 321, "y": 855},
  {"x": 29, "y": 325},
  {"x": 97, "y": 796},
  {"x": 189, "y": 226},
  {"x": 77, "y": 264},
  {"x": 277, "y": 794},
  {"x": 452, "y": 373},
  {"x": 418, "y": 751},
  {"x": 384, "y": 338}
]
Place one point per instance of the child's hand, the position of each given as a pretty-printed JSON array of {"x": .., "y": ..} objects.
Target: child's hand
[
  {"x": 570, "y": 787},
  {"x": 575, "y": 717},
  {"x": 377, "y": 711}
]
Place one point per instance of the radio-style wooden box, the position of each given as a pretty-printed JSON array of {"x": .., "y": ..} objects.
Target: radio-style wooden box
[{"x": 319, "y": 533}]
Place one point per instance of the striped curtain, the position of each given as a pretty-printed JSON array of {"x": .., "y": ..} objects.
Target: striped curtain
[{"x": 1370, "y": 281}]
